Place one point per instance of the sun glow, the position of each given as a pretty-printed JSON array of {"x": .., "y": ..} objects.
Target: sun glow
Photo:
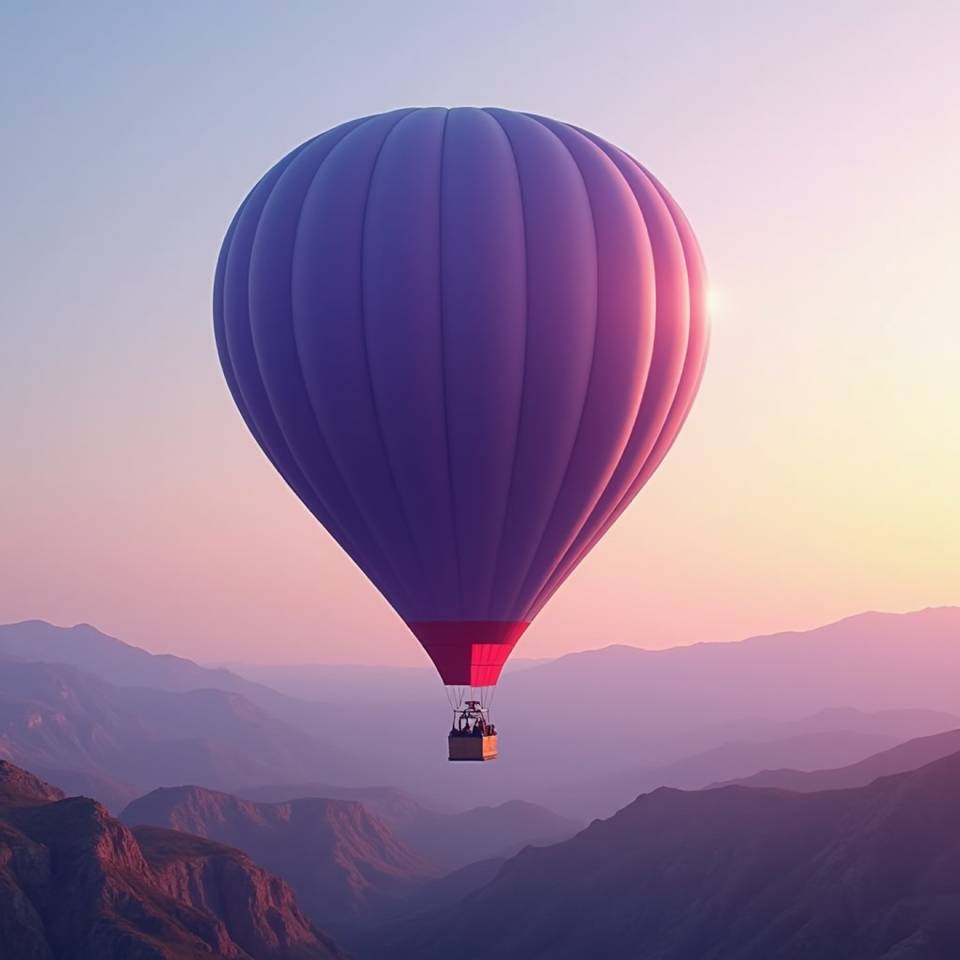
[{"x": 716, "y": 303}]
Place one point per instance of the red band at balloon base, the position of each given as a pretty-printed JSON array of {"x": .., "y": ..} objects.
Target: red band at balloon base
[{"x": 468, "y": 652}]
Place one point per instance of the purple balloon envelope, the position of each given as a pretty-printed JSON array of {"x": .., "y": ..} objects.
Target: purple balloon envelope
[{"x": 466, "y": 338}]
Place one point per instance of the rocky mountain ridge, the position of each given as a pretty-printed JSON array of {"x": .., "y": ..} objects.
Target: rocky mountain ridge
[{"x": 76, "y": 884}]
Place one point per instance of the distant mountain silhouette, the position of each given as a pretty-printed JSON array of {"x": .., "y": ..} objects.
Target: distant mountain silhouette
[
  {"x": 448, "y": 840},
  {"x": 901, "y": 724},
  {"x": 88, "y": 649},
  {"x": 96, "y": 654},
  {"x": 603, "y": 796},
  {"x": 55, "y": 718},
  {"x": 594, "y": 714},
  {"x": 454, "y": 840},
  {"x": 872, "y": 661},
  {"x": 344, "y": 863},
  {"x": 732, "y": 873},
  {"x": 396, "y": 807},
  {"x": 830, "y": 736},
  {"x": 448, "y": 890},
  {"x": 619, "y": 707},
  {"x": 624, "y": 704},
  {"x": 899, "y": 759},
  {"x": 75, "y": 884}
]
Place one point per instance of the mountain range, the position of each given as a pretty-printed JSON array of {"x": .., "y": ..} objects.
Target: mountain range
[
  {"x": 606, "y": 713},
  {"x": 348, "y": 867},
  {"x": 627, "y": 706},
  {"x": 56, "y": 719},
  {"x": 343, "y": 862},
  {"x": 899, "y": 759},
  {"x": 75, "y": 884},
  {"x": 828, "y": 737},
  {"x": 732, "y": 873},
  {"x": 447, "y": 840},
  {"x": 729, "y": 872}
]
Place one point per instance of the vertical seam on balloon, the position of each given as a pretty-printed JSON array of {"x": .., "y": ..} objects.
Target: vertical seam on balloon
[
  {"x": 679, "y": 219},
  {"x": 226, "y": 360},
  {"x": 523, "y": 380},
  {"x": 304, "y": 488},
  {"x": 223, "y": 351},
  {"x": 658, "y": 188},
  {"x": 225, "y": 253},
  {"x": 256, "y": 357},
  {"x": 586, "y": 393},
  {"x": 245, "y": 409},
  {"x": 219, "y": 320},
  {"x": 338, "y": 532},
  {"x": 415, "y": 546},
  {"x": 631, "y": 492},
  {"x": 443, "y": 369},
  {"x": 300, "y": 482},
  {"x": 676, "y": 212},
  {"x": 382, "y": 571},
  {"x": 552, "y": 583},
  {"x": 386, "y": 562},
  {"x": 678, "y": 216}
]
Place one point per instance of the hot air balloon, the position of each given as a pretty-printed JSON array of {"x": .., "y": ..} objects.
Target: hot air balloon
[{"x": 465, "y": 338}]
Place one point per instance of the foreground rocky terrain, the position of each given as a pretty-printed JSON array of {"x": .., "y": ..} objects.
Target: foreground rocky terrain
[
  {"x": 729, "y": 873},
  {"x": 76, "y": 884}
]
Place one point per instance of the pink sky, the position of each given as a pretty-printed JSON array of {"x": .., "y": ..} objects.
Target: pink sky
[{"x": 817, "y": 476}]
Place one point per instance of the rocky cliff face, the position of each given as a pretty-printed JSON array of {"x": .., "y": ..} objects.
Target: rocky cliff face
[
  {"x": 18, "y": 787},
  {"x": 75, "y": 884},
  {"x": 259, "y": 910},
  {"x": 344, "y": 863}
]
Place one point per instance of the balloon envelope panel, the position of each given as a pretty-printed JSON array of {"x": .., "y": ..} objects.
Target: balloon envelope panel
[{"x": 465, "y": 338}]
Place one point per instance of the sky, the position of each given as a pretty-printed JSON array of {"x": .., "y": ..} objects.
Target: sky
[{"x": 813, "y": 147}]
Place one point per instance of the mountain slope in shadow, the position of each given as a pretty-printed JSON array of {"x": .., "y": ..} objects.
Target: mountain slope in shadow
[
  {"x": 727, "y": 874},
  {"x": 605, "y": 795},
  {"x": 899, "y": 759}
]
